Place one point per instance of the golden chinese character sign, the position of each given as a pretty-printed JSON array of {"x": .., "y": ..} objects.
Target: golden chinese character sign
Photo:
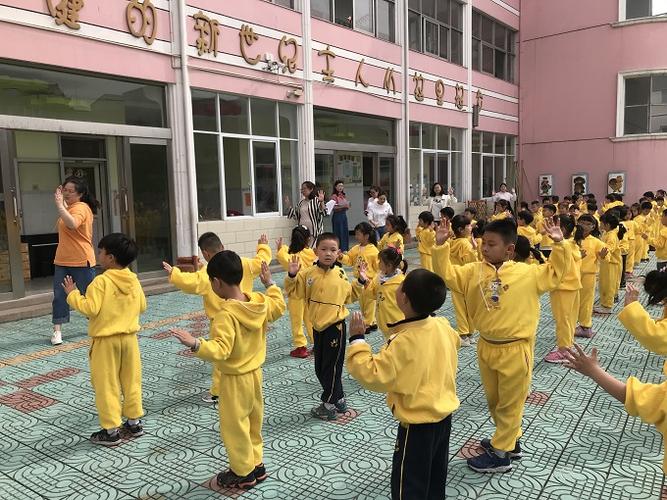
[
  {"x": 66, "y": 12},
  {"x": 142, "y": 20}
]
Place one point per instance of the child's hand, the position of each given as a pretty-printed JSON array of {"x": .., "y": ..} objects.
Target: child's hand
[
  {"x": 184, "y": 337},
  {"x": 578, "y": 361},
  {"x": 473, "y": 242},
  {"x": 340, "y": 254},
  {"x": 603, "y": 253},
  {"x": 645, "y": 236},
  {"x": 357, "y": 325},
  {"x": 363, "y": 268},
  {"x": 293, "y": 266},
  {"x": 265, "y": 275},
  {"x": 631, "y": 293},
  {"x": 320, "y": 195},
  {"x": 583, "y": 253},
  {"x": 279, "y": 244},
  {"x": 552, "y": 228},
  {"x": 167, "y": 267},
  {"x": 263, "y": 240},
  {"x": 443, "y": 232},
  {"x": 69, "y": 285}
]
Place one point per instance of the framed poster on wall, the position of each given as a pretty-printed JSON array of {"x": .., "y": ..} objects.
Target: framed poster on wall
[
  {"x": 546, "y": 185},
  {"x": 616, "y": 182},
  {"x": 579, "y": 184}
]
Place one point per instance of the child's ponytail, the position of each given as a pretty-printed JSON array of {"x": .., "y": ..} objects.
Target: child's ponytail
[
  {"x": 367, "y": 229},
  {"x": 393, "y": 257},
  {"x": 299, "y": 241},
  {"x": 621, "y": 230},
  {"x": 398, "y": 222}
]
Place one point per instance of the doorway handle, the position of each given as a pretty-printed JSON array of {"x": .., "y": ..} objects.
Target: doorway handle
[
  {"x": 15, "y": 204},
  {"x": 125, "y": 203}
]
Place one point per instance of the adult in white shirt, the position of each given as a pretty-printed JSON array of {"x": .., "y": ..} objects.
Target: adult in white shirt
[
  {"x": 378, "y": 212},
  {"x": 439, "y": 200},
  {"x": 504, "y": 194},
  {"x": 373, "y": 193}
]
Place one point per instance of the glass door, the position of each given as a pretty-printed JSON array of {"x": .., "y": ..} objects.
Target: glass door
[{"x": 145, "y": 202}]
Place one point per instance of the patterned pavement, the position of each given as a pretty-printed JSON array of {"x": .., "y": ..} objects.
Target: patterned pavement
[{"x": 578, "y": 443}]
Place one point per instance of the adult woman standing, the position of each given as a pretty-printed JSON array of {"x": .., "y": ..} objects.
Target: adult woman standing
[
  {"x": 75, "y": 255},
  {"x": 373, "y": 193},
  {"x": 339, "y": 216},
  {"x": 439, "y": 200},
  {"x": 378, "y": 212},
  {"x": 309, "y": 212},
  {"x": 504, "y": 194}
]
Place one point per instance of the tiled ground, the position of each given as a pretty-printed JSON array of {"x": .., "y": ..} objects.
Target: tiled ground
[{"x": 579, "y": 443}]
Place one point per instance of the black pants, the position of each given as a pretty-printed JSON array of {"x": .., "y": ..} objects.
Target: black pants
[
  {"x": 625, "y": 259},
  {"x": 546, "y": 252},
  {"x": 329, "y": 351},
  {"x": 661, "y": 266},
  {"x": 419, "y": 469}
]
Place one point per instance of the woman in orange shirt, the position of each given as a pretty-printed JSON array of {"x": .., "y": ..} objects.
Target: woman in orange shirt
[{"x": 75, "y": 255}]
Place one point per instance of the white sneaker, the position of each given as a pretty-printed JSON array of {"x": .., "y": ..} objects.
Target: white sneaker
[
  {"x": 465, "y": 341},
  {"x": 56, "y": 338}
]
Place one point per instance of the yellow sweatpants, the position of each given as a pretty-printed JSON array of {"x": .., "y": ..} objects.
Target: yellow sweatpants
[
  {"x": 115, "y": 372},
  {"x": 639, "y": 250},
  {"x": 368, "y": 305},
  {"x": 426, "y": 261},
  {"x": 241, "y": 417},
  {"x": 297, "y": 316},
  {"x": 630, "y": 259},
  {"x": 610, "y": 281},
  {"x": 506, "y": 371},
  {"x": 565, "y": 310},
  {"x": 462, "y": 323},
  {"x": 586, "y": 299}
]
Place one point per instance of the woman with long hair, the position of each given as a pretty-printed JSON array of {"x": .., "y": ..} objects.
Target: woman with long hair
[
  {"x": 339, "y": 216},
  {"x": 310, "y": 211},
  {"x": 439, "y": 200},
  {"x": 75, "y": 255}
]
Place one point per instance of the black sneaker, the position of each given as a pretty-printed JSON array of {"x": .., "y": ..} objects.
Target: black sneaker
[
  {"x": 488, "y": 462},
  {"x": 135, "y": 430},
  {"x": 515, "y": 454},
  {"x": 105, "y": 439},
  {"x": 323, "y": 412},
  {"x": 230, "y": 479},
  {"x": 260, "y": 473},
  {"x": 341, "y": 405}
]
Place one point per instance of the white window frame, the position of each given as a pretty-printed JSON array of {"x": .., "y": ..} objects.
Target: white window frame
[
  {"x": 622, "y": 13},
  {"x": 480, "y": 166},
  {"x": 620, "y": 104}
]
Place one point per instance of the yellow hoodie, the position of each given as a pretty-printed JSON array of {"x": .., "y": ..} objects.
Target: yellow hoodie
[
  {"x": 529, "y": 232},
  {"x": 198, "y": 283},
  {"x": 647, "y": 401},
  {"x": 610, "y": 239},
  {"x": 572, "y": 278},
  {"x": 237, "y": 339},
  {"x": 416, "y": 368},
  {"x": 462, "y": 251},
  {"x": 306, "y": 257},
  {"x": 394, "y": 239},
  {"x": 357, "y": 255},
  {"x": 385, "y": 291},
  {"x": 660, "y": 243},
  {"x": 590, "y": 264},
  {"x": 426, "y": 238},
  {"x": 113, "y": 302},
  {"x": 326, "y": 291},
  {"x": 546, "y": 242},
  {"x": 503, "y": 303}
]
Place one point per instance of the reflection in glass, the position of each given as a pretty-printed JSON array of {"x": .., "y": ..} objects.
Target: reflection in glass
[
  {"x": 208, "y": 177},
  {"x": 266, "y": 178},
  {"x": 238, "y": 184}
]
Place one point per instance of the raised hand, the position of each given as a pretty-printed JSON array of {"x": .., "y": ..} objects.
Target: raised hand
[
  {"x": 443, "y": 232},
  {"x": 583, "y": 253},
  {"x": 293, "y": 266},
  {"x": 69, "y": 285},
  {"x": 167, "y": 267},
  {"x": 287, "y": 201},
  {"x": 578, "y": 361},
  {"x": 58, "y": 197},
  {"x": 263, "y": 240},
  {"x": 552, "y": 229},
  {"x": 184, "y": 337},
  {"x": 450, "y": 190},
  {"x": 265, "y": 275},
  {"x": 631, "y": 293},
  {"x": 279, "y": 244},
  {"x": 363, "y": 271},
  {"x": 357, "y": 325},
  {"x": 320, "y": 195},
  {"x": 603, "y": 253}
]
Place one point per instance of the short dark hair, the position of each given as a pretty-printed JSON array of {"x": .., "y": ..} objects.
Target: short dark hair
[
  {"x": 226, "y": 266},
  {"x": 535, "y": 202},
  {"x": 123, "y": 249},
  {"x": 646, "y": 205},
  {"x": 525, "y": 216},
  {"x": 551, "y": 207},
  {"x": 591, "y": 205},
  {"x": 447, "y": 212},
  {"x": 649, "y": 194},
  {"x": 471, "y": 210},
  {"x": 326, "y": 237},
  {"x": 425, "y": 290},
  {"x": 555, "y": 199},
  {"x": 210, "y": 242},
  {"x": 426, "y": 216},
  {"x": 655, "y": 285},
  {"x": 505, "y": 228}
]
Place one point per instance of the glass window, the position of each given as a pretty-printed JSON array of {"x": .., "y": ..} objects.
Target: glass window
[
  {"x": 344, "y": 14},
  {"x": 644, "y": 8},
  {"x": 82, "y": 147},
  {"x": 457, "y": 139},
  {"x": 415, "y": 31},
  {"x": 498, "y": 170},
  {"x": 442, "y": 24},
  {"x": 495, "y": 56},
  {"x": 415, "y": 175},
  {"x": 429, "y": 136},
  {"x": 289, "y": 168},
  {"x": 636, "y": 120},
  {"x": 487, "y": 142},
  {"x": 289, "y": 126},
  {"x": 443, "y": 137},
  {"x": 203, "y": 110},
  {"x": 266, "y": 176},
  {"x": 263, "y": 117},
  {"x": 456, "y": 167},
  {"x": 363, "y": 10},
  {"x": 487, "y": 59},
  {"x": 415, "y": 135},
  {"x": 500, "y": 62},
  {"x": 637, "y": 91},
  {"x": 285, "y": 3},
  {"x": 457, "y": 15},
  {"x": 238, "y": 183},
  {"x": 646, "y": 105},
  {"x": 442, "y": 174},
  {"x": 234, "y": 114},
  {"x": 476, "y": 177},
  {"x": 476, "y": 142},
  {"x": 428, "y": 8},
  {"x": 501, "y": 36},
  {"x": 431, "y": 38},
  {"x": 414, "y": 5},
  {"x": 444, "y": 37},
  {"x": 457, "y": 47},
  {"x": 352, "y": 128},
  {"x": 476, "y": 55},
  {"x": 385, "y": 20},
  {"x": 499, "y": 144},
  {"x": 207, "y": 169},
  {"x": 428, "y": 174},
  {"x": 487, "y": 176},
  {"x": 43, "y": 93},
  {"x": 443, "y": 11},
  {"x": 487, "y": 29},
  {"x": 321, "y": 9},
  {"x": 476, "y": 25}
]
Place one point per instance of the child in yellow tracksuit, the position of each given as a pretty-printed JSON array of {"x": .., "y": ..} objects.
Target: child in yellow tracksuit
[
  {"x": 646, "y": 401},
  {"x": 492, "y": 290},
  {"x": 395, "y": 227},
  {"x": 299, "y": 246},
  {"x": 366, "y": 254},
  {"x": 593, "y": 251},
  {"x": 659, "y": 242},
  {"x": 642, "y": 230},
  {"x": 526, "y": 253},
  {"x": 383, "y": 286},
  {"x": 113, "y": 302},
  {"x": 417, "y": 370},
  {"x": 524, "y": 220},
  {"x": 237, "y": 346},
  {"x": 325, "y": 289},
  {"x": 425, "y": 235},
  {"x": 565, "y": 298},
  {"x": 198, "y": 283},
  {"x": 610, "y": 271},
  {"x": 546, "y": 244},
  {"x": 463, "y": 251}
]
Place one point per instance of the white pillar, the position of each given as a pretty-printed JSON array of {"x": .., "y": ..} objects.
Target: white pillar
[
  {"x": 307, "y": 128},
  {"x": 466, "y": 175},
  {"x": 403, "y": 126}
]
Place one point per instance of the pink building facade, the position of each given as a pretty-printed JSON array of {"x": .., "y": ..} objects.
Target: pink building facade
[
  {"x": 594, "y": 96},
  {"x": 189, "y": 116}
]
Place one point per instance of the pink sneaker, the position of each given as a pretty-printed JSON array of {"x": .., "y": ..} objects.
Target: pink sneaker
[
  {"x": 584, "y": 332},
  {"x": 555, "y": 357},
  {"x": 602, "y": 310}
]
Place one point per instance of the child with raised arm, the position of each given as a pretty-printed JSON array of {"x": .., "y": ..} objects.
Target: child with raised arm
[
  {"x": 493, "y": 290},
  {"x": 417, "y": 370},
  {"x": 646, "y": 401},
  {"x": 198, "y": 283},
  {"x": 325, "y": 289},
  {"x": 463, "y": 251},
  {"x": 299, "y": 246},
  {"x": 237, "y": 346},
  {"x": 113, "y": 302},
  {"x": 610, "y": 269},
  {"x": 425, "y": 235}
]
